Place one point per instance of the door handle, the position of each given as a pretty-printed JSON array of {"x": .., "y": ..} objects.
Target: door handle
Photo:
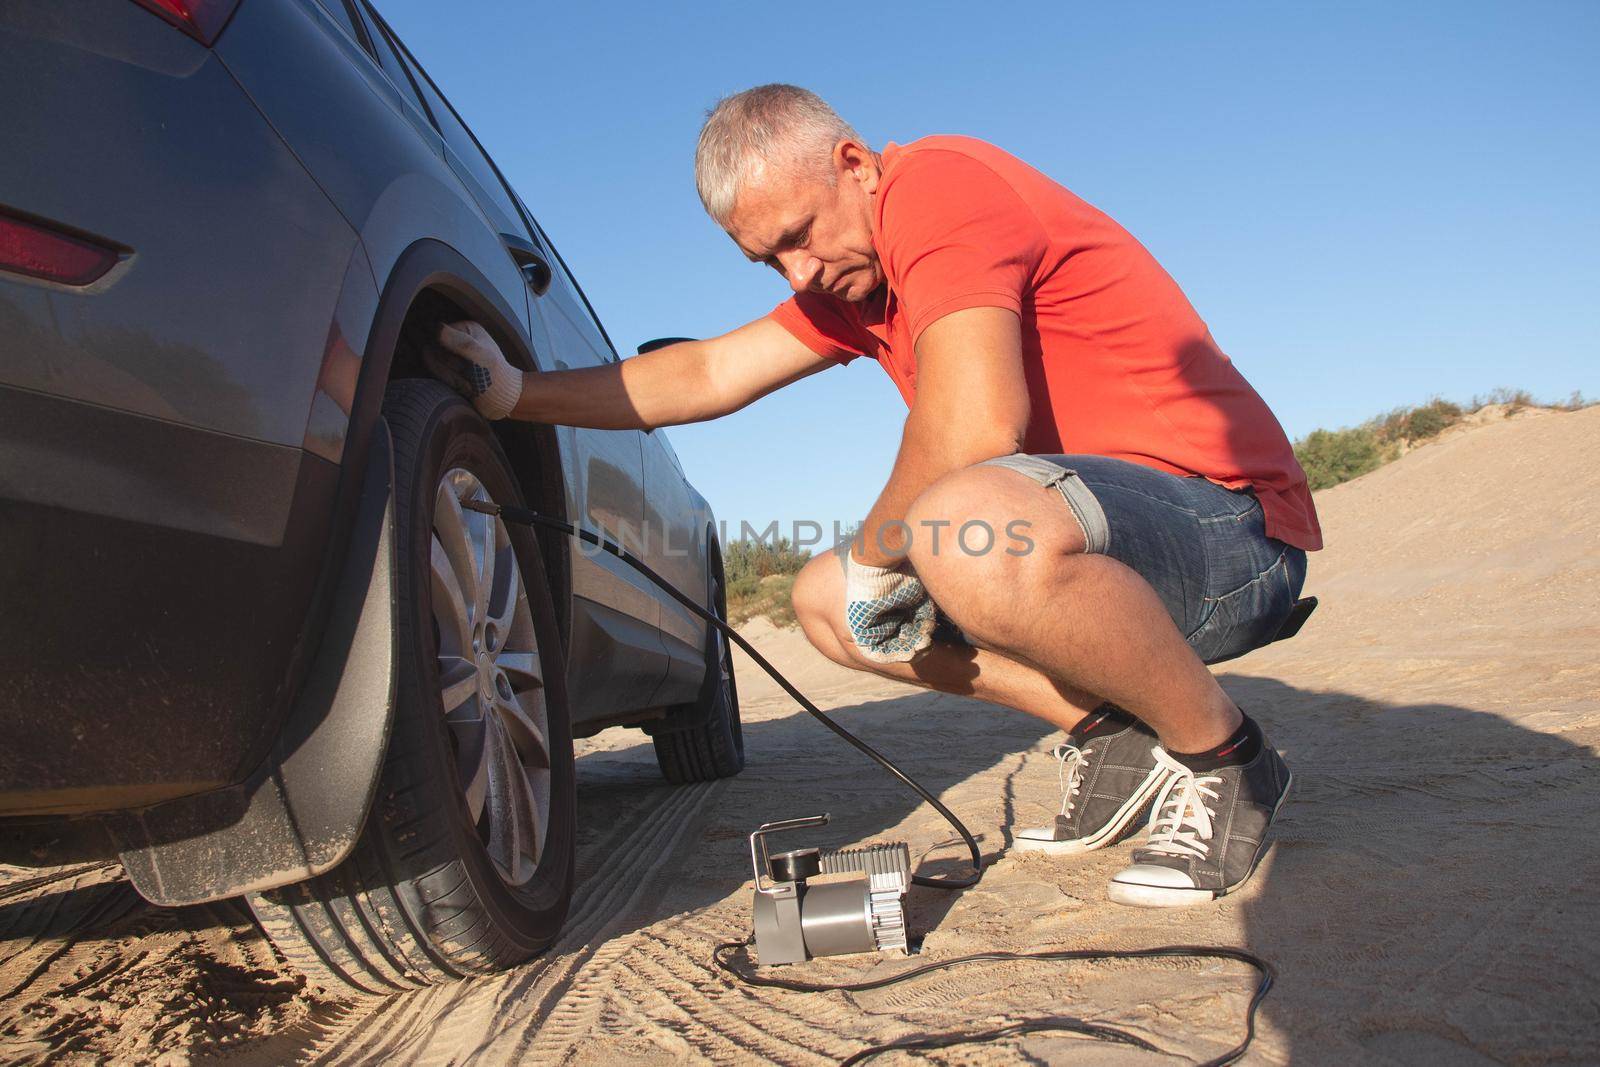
[{"x": 530, "y": 261}]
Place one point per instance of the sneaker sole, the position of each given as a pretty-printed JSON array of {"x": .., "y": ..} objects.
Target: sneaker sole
[
  {"x": 1108, "y": 834},
  {"x": 1135, "y": 895}
]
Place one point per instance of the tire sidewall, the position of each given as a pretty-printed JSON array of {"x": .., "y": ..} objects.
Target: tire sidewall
[{"x": 726, "y": 698}]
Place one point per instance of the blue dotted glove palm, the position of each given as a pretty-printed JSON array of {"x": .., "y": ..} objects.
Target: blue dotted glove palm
[{"x": 889, "y": 612}]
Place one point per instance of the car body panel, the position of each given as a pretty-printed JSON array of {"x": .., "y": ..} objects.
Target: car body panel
[
  {"x": 167, "y": 582},
  {"x": 203, "y": 327},
  {"x": 343, "y": 356},
  {"x": 675, "y": 548},
  {"x": 620, "y": 608},
  {"x": 394, "y": 186}
]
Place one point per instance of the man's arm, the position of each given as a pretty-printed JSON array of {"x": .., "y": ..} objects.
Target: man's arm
[
  {"x": 971, "y": 405},
  {"x": 687, "y": 382}
]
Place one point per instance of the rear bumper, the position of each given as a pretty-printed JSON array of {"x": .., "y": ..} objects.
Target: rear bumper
[
  {"x": 156, "y": 578},
  {"x": 300, "y": 811}
]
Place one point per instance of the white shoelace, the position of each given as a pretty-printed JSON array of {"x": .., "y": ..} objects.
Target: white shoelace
[
  {"x": 1069, "y": 773},
  {"x": 1182, "y": 823}
]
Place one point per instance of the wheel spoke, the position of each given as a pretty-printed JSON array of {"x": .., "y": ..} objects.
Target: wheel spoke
[
  {"x": 449, "y": 605},
  {"x": 472, "y": 762},
  {"x": 513, "y": 817},
  {"x": 523, "y": 668},
  {"x": 526, "y": 730},
  {"x": 481, "y": 531},
  {"x": 451, "y": 527},
  {"x": 505, "y": 591},
  {"x": 539, "y": 785},
  {"x": 458, "y": 681},
  {"x": 499, "y": 844},
  {"x": 525, "y": 822}
]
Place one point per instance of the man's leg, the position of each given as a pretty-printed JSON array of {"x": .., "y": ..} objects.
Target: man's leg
[
  {"x": 1186, "y": 550},
  {"x": 1085, "y": 621},
  {"x": 1108, "y": 771}
]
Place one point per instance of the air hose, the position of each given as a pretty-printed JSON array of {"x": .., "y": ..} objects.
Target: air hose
[{"x": 722, "y": 954}]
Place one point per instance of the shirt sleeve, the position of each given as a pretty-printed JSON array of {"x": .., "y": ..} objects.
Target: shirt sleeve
[
  {"x": 955, "y": 235},
  {"x": 823, "y": 324}
]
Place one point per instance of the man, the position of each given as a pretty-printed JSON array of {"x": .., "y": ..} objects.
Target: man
[{"x": 1145, "y": 511}]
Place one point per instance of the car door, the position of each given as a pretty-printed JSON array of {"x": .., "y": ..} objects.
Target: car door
[
  {"x": 616, "y": 660},
  {"x": 675, "y": 547}
]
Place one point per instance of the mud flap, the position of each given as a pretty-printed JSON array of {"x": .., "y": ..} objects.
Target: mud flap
[{"x": 301, "y": 812}]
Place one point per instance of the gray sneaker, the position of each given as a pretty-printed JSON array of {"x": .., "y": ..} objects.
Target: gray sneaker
[
  {"x": 1207, "y": 834},
  {"x": 1107, "y": 783}
]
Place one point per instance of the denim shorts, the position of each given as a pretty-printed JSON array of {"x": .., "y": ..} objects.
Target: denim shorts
[{"x": 1203, "y": 548}]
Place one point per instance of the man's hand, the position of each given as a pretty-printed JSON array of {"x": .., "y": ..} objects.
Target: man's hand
[
  {"x": 471, "y": 364},
  {"x": 890, "y": 614}
]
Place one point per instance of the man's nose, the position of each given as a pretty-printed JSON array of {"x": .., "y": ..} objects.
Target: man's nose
[{"x": 801, "y": 270}]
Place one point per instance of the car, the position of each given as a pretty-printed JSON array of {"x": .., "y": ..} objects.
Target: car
[{"x": 256, "y": 641}]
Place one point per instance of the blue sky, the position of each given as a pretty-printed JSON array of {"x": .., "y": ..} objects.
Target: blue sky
[{"x": 1370, "y": 204}]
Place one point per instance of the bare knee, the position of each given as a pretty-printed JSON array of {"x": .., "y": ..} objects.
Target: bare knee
[
  {"x": 982, "y": 534},
  {"x": 818, "y": 601}
]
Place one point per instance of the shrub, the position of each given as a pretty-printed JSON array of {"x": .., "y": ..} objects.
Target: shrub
[
  {"x": 758, "y": 558},
  {"x": 1333, "y": 456},
  {"x": 1513, "y": 399},
  {"x": 771, "y": 597},
  {"x": 1420, "y": 423},
  {"x": 743, "y": 587},
  {"x": 760, "y": 577}
]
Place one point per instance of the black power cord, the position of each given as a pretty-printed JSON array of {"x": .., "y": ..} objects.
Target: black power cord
[
  {"x": 722, "y": 953},
  {"x": 721, "y": 956}
]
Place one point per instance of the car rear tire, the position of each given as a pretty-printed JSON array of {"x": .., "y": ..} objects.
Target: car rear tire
[
  {"x": 710, "y": 744},
  {"x": 465, "y": 865}
]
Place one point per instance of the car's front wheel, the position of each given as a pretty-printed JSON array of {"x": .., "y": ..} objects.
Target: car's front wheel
[{"x": 465, "y": 864}]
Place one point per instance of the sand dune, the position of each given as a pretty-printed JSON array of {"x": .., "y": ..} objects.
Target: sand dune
[{"x": 1430, "y": 896}]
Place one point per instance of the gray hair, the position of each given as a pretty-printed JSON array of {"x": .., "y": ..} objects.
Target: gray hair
[{"x": 771, "y": 127}]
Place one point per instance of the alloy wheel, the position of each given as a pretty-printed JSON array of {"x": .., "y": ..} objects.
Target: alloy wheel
[{"x": 490, "y": 678}]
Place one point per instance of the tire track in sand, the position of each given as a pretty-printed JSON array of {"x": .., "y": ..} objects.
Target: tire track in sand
[{"x": 550, "y": 1003}]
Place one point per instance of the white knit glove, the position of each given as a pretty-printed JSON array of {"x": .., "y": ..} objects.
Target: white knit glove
[
  {"x": 889, "y": 612},
  {"x": 471, "y": 364}
]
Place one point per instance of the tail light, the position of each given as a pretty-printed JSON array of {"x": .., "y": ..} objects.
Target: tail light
[
  {"x": 40, "y": 251},
  {"x": 201, "y": 19}
]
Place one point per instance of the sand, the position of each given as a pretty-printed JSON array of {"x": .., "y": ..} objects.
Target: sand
[{"x": 1430, "y": 896}]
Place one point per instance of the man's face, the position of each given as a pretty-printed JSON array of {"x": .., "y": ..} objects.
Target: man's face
[{"x": 816, "y": 234}]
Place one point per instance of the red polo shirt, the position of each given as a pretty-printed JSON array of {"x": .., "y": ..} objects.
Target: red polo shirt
[{"x": 1117, "y": 362}]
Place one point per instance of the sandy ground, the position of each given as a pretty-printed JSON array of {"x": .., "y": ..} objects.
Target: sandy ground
[{"x": 1430, "y": 896}]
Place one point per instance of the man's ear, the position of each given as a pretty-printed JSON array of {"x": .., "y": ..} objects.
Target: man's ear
[{"x": 854, "y": 159}]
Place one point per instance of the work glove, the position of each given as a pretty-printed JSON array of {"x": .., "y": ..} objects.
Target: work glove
[
  {"x": 889, "y": 612},
  {"x": 468, "y": 361}
]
